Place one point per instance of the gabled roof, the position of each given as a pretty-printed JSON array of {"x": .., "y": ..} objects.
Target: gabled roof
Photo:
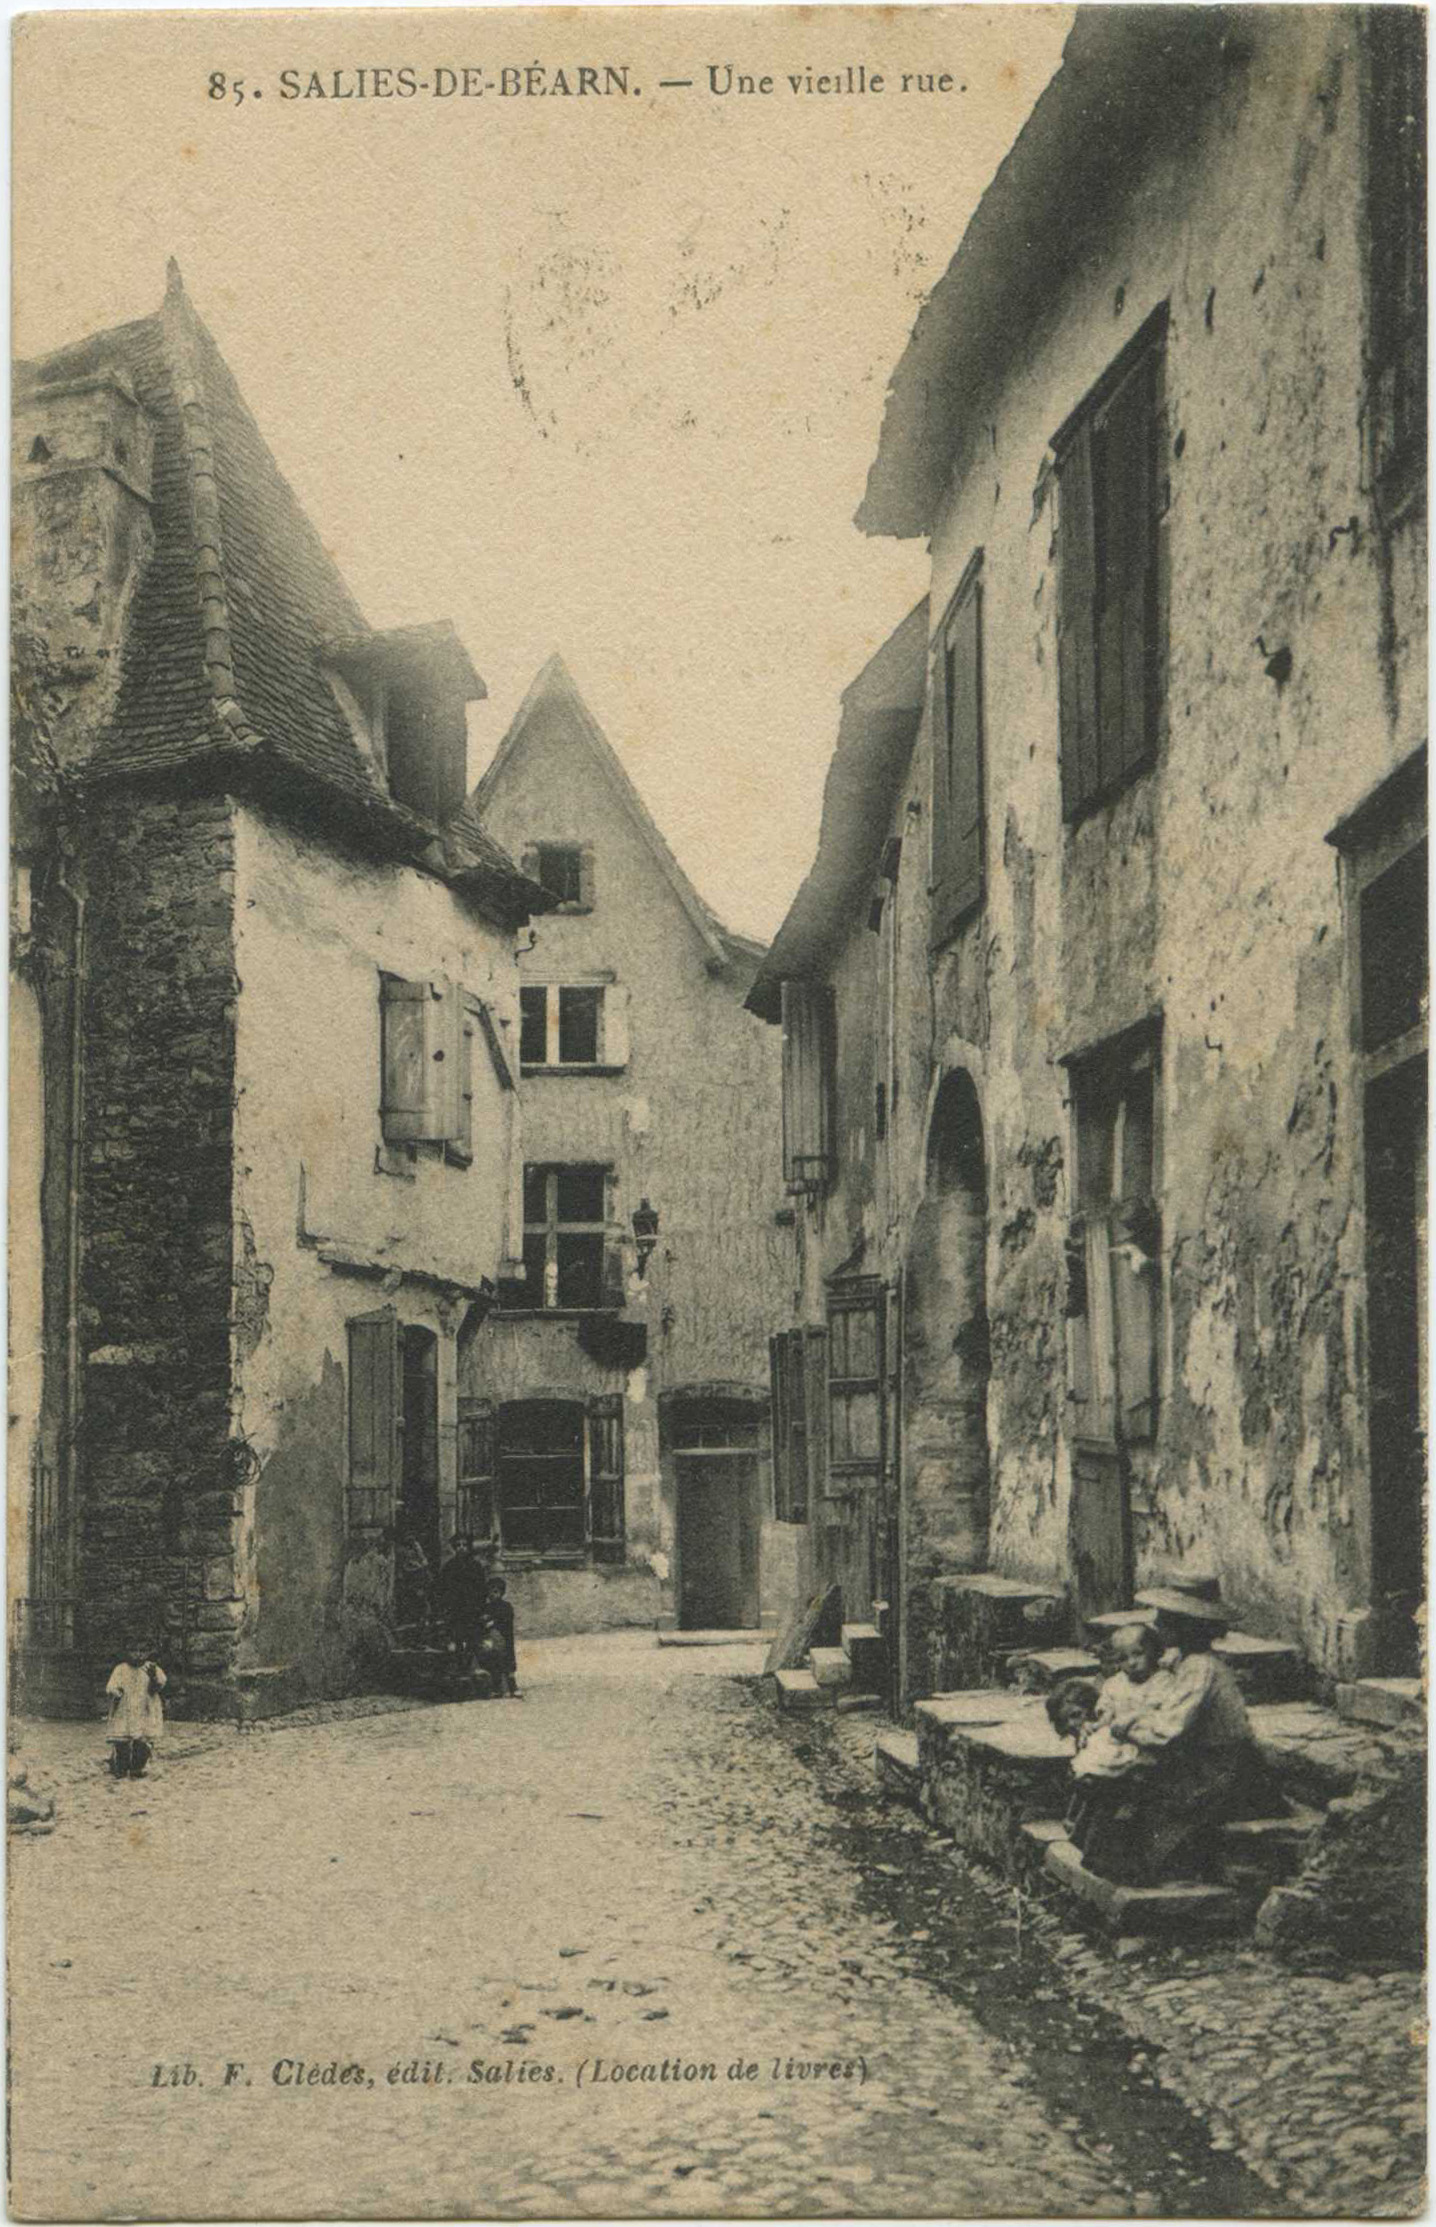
[
  {"x": 553, "y": 684},
  {"x": 223, "y": 674},
  {"x": 1132, "y": 79},
  {"x": 879, "y": 723}
]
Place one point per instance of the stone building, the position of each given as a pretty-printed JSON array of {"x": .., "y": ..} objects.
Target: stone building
[
  {"x": 624, "y": 1377},
  {"x": 265, "y": 1047},
  {"x": 1128, "y": 1183}
]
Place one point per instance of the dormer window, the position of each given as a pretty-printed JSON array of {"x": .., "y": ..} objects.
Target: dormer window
[
  {"x": 403, "y": 694},
  {"x": 566, "y": 870}
]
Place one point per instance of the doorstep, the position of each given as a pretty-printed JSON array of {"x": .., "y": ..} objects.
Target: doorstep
[
  {"x": 1180, "y": 1906},
  {"x": 896, "y": 1761},
  {"x": 724, "y": 1638}
]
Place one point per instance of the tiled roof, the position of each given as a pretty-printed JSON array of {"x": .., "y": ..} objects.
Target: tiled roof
[
  {"x": 881, "y": 712},
  {"x": 222, "y": 662}
]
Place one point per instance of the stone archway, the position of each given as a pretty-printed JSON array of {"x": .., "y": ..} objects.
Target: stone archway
[{"x": 946, "y": 1365}]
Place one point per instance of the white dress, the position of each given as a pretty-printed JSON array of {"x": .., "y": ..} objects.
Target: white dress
[{"x": 137, "y": 1712}]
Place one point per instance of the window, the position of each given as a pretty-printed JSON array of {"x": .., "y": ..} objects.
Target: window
[
  {"x": 574, "y": 1025},
  {"x": 560, "y": 1477},
  {"x": 1114, "y": 1266},
  {"x": 856, "y": 1408},
  {"x": 403, "y": 692},
  {"x": 957, "y": 769},
  {"x": 541, "y": 1475},
  {"x": 429, "y": 1031},
  {"x": 566, "y": 870},
  {"x": 570, "y": 1259},
  {"x": 1107, "y": 632},
  {"x": 1396, "y": 229},
  {"x": 809, "y": 1052}
]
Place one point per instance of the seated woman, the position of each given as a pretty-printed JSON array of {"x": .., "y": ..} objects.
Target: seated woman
[{"x": 1177, "y": 1759}]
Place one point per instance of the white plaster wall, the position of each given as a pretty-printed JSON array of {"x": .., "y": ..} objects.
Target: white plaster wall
[
  {"x": 692, "y": 1123},
  {"x": 313, "y": 931}
]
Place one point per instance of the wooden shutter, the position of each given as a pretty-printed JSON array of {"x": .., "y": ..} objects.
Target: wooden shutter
[
  {"x": 514, "y": 1201},
  {"x": 778, "y": 1405},
  {"x": 605, "y": 1476},
  {"x": 614, "y": 1290},
  {"x": 1125, "y": 449},
  {"x": 468, "y": 1030},
  {"x": 790, "y": 1428},
  {"x": 809, "y": 1058},
  {"x": 375, "y": 1396},
  {"x": 1076, "y": 621},
  {"x": 940, "y": 896},
  {"x": 965, "y": 813},
  {"x": 585, "y": 876},
  {"x": 405, "y": 1104},
  {"x": 422, "y": 1028},
  {"x": 478, "y": 1507},
  {"x": 613, "y": 1048},
  {"x": 815, "y": 1401}
]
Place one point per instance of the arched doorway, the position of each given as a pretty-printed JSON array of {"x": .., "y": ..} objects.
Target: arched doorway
[{"x": 946, "y": 1366}]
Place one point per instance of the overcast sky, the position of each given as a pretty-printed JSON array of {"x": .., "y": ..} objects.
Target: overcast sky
[{"x": 601, "y": 376}]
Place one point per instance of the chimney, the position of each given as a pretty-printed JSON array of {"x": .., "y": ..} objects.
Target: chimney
[{"x": 82, "y": 454}]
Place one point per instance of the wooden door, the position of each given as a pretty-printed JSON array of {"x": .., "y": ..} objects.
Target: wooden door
[
  {"x": 1100, "y": 1531},
  {"x": 717, "y": 1541}
]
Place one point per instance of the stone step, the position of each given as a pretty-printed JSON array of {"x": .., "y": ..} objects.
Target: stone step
[
  {"x": 979, "y": 1705},
  {"x": 831, "y": 1668},
  {"x": 1262, "y": 1851},
  {"x": 1038, "y": 1670},
  {"x": 986, "y": 1780},
  {"x": 798, "y": 1690},
  {"x": 854, "y": 1704},
  {"x": 1179, "y": 1907},
  {"x": 1266, "y": 1669},
  {"x": 1383, "y": 1701},
  {"x": 899, "y": 1773},
  {"x": 726, "y": 1637},
  {"x": 1041, "y": 1832},
  {"x": 866, "y": 1650},
  {"x": 1314, "y": 1754}
]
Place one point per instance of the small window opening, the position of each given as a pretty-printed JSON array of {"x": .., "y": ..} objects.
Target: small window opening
[{"x": 560, "y": 869}]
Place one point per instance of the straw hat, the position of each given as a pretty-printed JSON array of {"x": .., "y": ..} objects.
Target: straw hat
[{"x": 1185, "y": 1608}]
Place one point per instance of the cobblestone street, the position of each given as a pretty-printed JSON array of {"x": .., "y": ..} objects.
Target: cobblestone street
[{"x": 514, "y": 1918}]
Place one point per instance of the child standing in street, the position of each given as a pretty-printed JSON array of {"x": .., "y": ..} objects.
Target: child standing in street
[{"x": 137, "y": 1714}]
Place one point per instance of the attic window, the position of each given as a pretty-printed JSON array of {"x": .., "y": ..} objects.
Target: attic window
[
  {"x": 565, "y": 870},
  {"x": 403, "y": 694},
  {"x": 39, "y": 450}
]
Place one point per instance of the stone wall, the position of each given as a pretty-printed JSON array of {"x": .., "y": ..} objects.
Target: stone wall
[
  {"x": 1205, "y": 892},
  {"x": 157, "y": 1479}
]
